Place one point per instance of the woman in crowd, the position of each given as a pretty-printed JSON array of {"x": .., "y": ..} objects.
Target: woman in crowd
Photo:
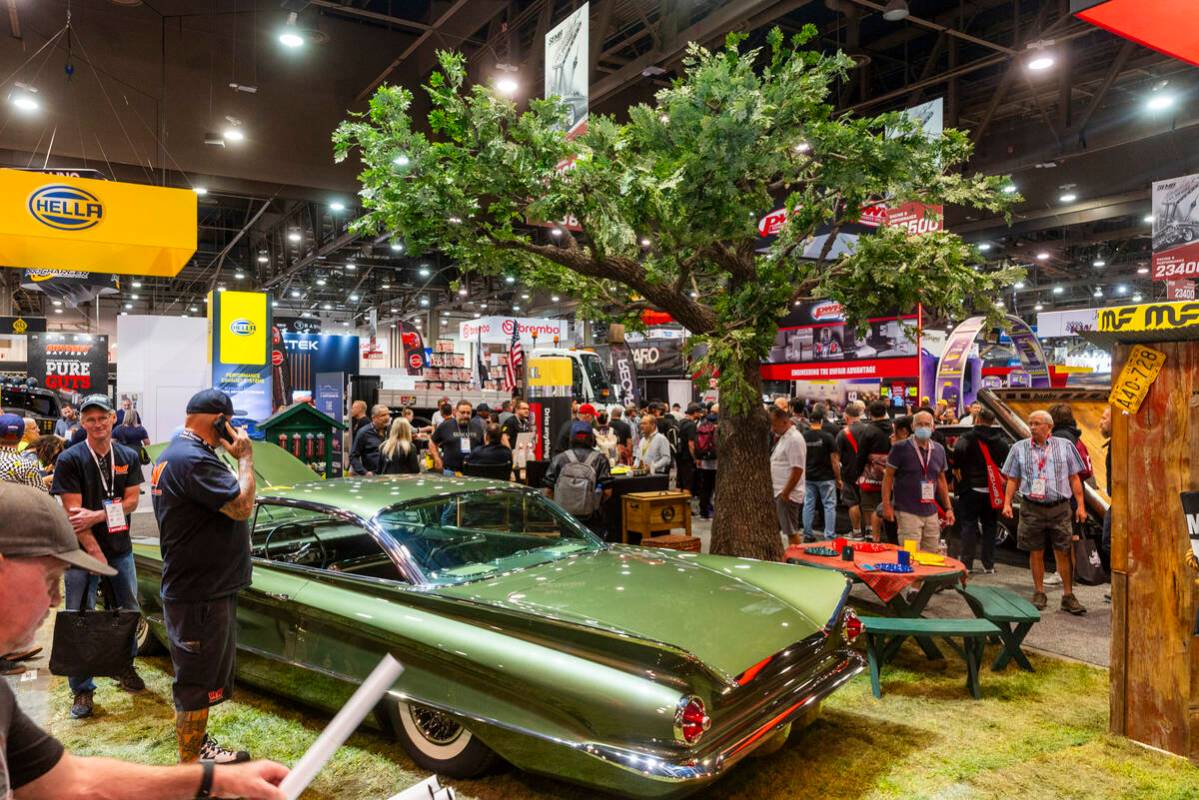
[
  {"x": 130, "y": 432},
  {"x": 47, "y": 449},
  {"x": 397, "y": 455}
]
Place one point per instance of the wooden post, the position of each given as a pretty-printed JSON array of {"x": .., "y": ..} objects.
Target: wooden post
[{"x": 1154, "y": 655}]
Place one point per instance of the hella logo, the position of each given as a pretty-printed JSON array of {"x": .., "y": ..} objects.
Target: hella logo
[
  {"x": 66, "y": 208},
  {"x": 242, "y": 327}
]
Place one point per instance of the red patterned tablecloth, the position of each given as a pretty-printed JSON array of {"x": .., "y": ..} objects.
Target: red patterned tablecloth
[{"x": 884, "y": 584}]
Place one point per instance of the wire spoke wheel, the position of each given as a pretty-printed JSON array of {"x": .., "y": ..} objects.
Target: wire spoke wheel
[{"x": 435, "y": 726}]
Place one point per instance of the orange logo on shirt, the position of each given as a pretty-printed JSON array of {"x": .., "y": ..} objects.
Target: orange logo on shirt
[
  {"x": 120, "y": 469},
  {"x": 155, "y": 474},
  {"x": 216, "y": 696}
]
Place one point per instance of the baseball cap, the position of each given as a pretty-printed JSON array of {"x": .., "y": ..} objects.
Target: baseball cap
[
  {"x": 587, "y": 408},
  {"x": 694, "y": 408},
  {"x": 482, "y": 408},
  {"x": 96, "y": 400},
  {"x": 210, "y": 401},
  {"x": 580, "y": 429},
  {"x": 44, "y": 529},
  {"x": 11, "y": 425}
]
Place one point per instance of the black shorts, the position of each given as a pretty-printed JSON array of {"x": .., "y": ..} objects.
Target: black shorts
[{"x": 203, "y": 639}]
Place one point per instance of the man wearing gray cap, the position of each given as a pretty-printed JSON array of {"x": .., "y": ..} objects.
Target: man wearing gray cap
[
  {"x": 33, "y": 764},
  {"x": 99, "y": 483},
  {"x": 202, "y": 511}
]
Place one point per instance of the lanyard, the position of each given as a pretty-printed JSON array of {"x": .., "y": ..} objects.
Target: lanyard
[
  {"x": 1041, "y": 463},
  {"x": 923, "y": 458},
  {"x": 109, "y": 488}
]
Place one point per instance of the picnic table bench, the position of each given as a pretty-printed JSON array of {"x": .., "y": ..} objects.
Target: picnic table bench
[
  {"x": 1011, "y": 613},
  {"x": 885, "y": 635}
]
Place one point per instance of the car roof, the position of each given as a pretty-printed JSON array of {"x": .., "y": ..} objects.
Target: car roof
[{"x": 367, "y": 496}]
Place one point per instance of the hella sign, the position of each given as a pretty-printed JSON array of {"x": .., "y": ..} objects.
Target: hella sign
[
  {"x": 242, "y": 327},
  {"x": 66, "y": 208}
]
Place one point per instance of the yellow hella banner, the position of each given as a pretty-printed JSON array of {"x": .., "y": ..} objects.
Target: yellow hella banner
[
  {"x": 55, "y": 222},
  {"x": 240, "y": 323}
]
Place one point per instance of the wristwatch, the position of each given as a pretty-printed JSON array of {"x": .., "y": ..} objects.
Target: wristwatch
[{"x": 206, "y": 780}]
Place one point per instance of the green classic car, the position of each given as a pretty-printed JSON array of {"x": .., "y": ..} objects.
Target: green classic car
[{"x": 644, "y": 672}]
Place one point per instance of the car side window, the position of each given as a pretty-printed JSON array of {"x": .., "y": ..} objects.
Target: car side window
[{"x": 319, "y": 539}]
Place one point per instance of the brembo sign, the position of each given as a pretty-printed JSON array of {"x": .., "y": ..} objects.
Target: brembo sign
[{"x": 498, "y": 330}]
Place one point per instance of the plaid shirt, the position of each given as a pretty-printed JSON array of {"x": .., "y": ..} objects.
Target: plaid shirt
[
  {"x": 1056, "y": 461},
  {"x": 14, "y": 468}
]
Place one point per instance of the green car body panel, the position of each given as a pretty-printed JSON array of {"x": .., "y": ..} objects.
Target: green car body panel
[{"x": 574, "y": 667}]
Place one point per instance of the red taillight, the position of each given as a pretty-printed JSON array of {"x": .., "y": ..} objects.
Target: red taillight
[
  {"x": 691, "y": 720},
  {"x": 853, "y": 625}
]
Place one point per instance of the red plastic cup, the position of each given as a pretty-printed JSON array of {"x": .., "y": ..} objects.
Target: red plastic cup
[{"x": 839, "y": 543}]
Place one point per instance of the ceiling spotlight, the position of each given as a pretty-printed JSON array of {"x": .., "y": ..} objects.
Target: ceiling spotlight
[
  {"x": 1009, "y": 188},
  {"x": 337, "y": 206},
  {"x": 56, "y": 302},
  {"x": 127, "y": 305},
  {"x": 1121, "y": 289},
  {"x": 1098, "y": 291},
  {"x": 220, "y": 288},
  {"x": 385, "y": 286},
  {"x": 1160, "y": 101},
  {"x": 462, "y": 292},
  {"x": 1136, "y": 298},
  {"x": 400, "y": 161},
  {"x": 1058, "y": 289},
  {"x": 645, "y": 242},
  {"x": 509, "y": 279},
  {"x": 239, "y": 275},
  {"x": 482, "y": 305},
  {"x": 25, "y": 99},
  {"x": 200, "y": 190},
  {"x": 294, "y": 236},
  {"x": 1142, "y": 270},
  {"x": 1148, "y": 219},
  {"x": 555, "y": 231},
  {"x": 136, "y": 284},
  {"x": 424, "y": 301},
  {"x": 477, "y": 315},
  {"x": 694, "y": 295},
  {"x": 1040, "y": 59},
  {"x": 397, "y": 246},
  {"x": 351, "y": 266},
  {"x": 192, "y": 309},
  {"x": 59, "y": 311},
  {"x": 353, "y": 298},
  {"x": 1042, "y": 256},
  {"x": 1068, "y": 197},
  {"x": 233, "y": 135},
  {"x": 454, "y": 220},
  {"x": 290, "y": 36},
  {"x": 524, "y": 296},
  {"x": 135, "y": 297},
  {"x": 985, "y": 246},
  {"x": 802, "y": 147},
  {"x": 516, "y": 308},
  {"x": 507, "y": 85},
  {"x": 327, "y": 307},
  {"x": 1099, "y": 263},
  {"x": 295, "y": 292},
  {"x": 274, "y": 304},
  {"x": 1000, "y": 303},
  {"x": 1018, "y": 285},
  {"x": 264, "y": 259},
  {"x": 1039, "y": 307},
  {"x": 896, "y": 10},
  {"x": 320, "y": 281},
  {"x": 423, "y": 272},
  {"x": 554, "y": 299}
]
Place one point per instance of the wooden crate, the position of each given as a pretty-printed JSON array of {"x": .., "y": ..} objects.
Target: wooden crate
[
  {"x": 673, "y": 541},
  {"x": 649, "y": 513}
]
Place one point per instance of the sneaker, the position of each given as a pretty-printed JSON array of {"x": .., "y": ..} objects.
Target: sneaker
[
  {"x": 987, "y": 571},
  {"x": 8, "y": 667},
  {"x": 1040, "y": 600},
  {"x": 1053, "y": 579},
  {"x": 211, "y": 751},
  {"x": 22, "y": 655},
  {"x": 82, "y": 706},
  {"x": 1070, "y": 603},
  {"x": 130, "y": 681}
]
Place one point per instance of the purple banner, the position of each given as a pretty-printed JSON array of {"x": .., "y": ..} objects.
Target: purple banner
[
  {"x": 1032, "y": 356},
  {"x": 955, "y": 361}
]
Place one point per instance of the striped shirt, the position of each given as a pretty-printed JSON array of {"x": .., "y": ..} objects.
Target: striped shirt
[{"x": 1055, "y": 461}]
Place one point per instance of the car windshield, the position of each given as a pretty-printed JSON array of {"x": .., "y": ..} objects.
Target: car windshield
[
  {"x": 463, "y": 537},
  {"x": 598, "y": 375}
]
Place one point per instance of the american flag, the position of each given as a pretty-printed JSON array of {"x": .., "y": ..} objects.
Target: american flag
[{"x": 516, "y": 356}]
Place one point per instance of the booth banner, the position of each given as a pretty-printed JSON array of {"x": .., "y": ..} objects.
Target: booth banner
[
  {"x": 413, "y": 343},
  {"x": 298, "y": 324},
  {"x": 1180, "y": 290},
  {"x": 21, "y": 325},
  {"x": 658, "y": 356},
  {"x": 874, "y": 368},
  {"x": 241, "y": 352},
  {"x": 72, "y": 287},
  {"x": 817, "y": 333},
  {"x": 307, "y": 356},
  {"x": 566, "y": 67},
  {"x": 69, "y": 362},
  {"x": 951, "y": 372},
  {"x": 1059, "y": 324},
  {"x": 498, "y": 330},
  {"x": 58, "y": 222},
  {"x": 1149, "y": 317},
  {"x": 623, "y": 369},
  {"x": 1032, "y": 356},
  {"x": 1176, "y": 228}
]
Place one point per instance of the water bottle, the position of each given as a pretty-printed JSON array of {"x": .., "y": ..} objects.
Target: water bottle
[{"x": 944, "y": 548}]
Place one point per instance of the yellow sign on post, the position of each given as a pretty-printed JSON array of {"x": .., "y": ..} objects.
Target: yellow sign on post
[
  {"x": 1140, "y": 371},
  {"x": 56, "y": 222}
]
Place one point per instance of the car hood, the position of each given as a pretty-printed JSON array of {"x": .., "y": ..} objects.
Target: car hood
[{"x": 714, "y": 608}]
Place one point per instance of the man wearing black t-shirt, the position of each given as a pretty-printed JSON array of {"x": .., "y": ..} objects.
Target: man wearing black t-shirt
[
  {"x": 516, "y": 424},
  {"x": 820, "y": 475},
  {"x": 202, "y": 511},
  {"x": 33, "y": 764},
  {"x": 684, "y": 458},
  {"x": 98, "y": 483},
  {"x": 455, "y": 438}
]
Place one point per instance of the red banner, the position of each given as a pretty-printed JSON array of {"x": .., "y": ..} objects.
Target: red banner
[{"x": 843, "y": 370}]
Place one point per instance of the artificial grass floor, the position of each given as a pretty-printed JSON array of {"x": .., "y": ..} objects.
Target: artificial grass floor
[{"x": 1040, "y": 735}]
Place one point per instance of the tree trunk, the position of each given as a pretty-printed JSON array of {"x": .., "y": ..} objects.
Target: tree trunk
[{"x": 746, "y": 523}]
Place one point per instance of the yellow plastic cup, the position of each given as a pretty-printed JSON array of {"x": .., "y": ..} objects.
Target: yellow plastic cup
[{"x": 910, "y": 545}]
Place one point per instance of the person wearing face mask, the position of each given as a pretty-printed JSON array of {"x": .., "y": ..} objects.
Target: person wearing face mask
[
  {"x": 914, "y": 482},
  {"x": 455, "y": 438}
]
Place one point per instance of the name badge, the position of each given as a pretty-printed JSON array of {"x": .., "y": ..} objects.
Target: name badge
[
  {"x": 927, "y": 491},
  {"x": 1038, "y": 489},
  {"x": 464, "y": 444},
  {"x": 115, "y": 514}
]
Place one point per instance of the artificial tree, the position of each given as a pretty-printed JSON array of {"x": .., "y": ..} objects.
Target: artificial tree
[{"x": 660, "y": 211}]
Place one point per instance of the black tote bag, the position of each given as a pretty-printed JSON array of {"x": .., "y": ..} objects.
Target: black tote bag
[{"x": 96, "y": 643}]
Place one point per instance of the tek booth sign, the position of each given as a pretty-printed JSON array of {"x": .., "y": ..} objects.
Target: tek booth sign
[{"x": 69, "y": 362}]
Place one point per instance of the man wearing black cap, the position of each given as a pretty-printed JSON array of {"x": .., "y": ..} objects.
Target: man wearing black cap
[
  {"x": 33, "y": 764},
  {"x": 202, "y": 511},
  {"x": 98, "y": 482}
]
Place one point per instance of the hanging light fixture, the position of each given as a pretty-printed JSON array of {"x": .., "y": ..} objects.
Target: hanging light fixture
[
  {"x": 290, "y": 36},
  {"x": 896, "y": 10}
]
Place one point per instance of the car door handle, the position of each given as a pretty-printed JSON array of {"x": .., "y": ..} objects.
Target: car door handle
[{"x": 278, "y": 596}]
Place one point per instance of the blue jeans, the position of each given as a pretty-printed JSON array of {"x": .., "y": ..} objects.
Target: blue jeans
[
  {"x": 827, "y": 492},
  {"x": 124, "y": 586}
]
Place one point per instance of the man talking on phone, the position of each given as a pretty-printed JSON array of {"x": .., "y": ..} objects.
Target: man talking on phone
[{"x": 202, "y": 510}]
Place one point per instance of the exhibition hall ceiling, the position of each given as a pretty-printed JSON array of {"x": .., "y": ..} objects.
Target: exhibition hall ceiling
[{"x": 204, "y": 94}]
